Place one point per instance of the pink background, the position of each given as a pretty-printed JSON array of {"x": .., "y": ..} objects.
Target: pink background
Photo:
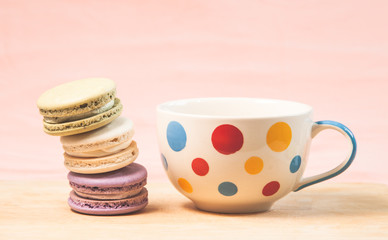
[{"x": 332, "y": 55}]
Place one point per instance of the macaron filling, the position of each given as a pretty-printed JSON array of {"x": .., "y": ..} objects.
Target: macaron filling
[
  {"x": 109, "y": 196},
  {"x": 102, "y": 109},
  {"x": 105, "y": 151}
]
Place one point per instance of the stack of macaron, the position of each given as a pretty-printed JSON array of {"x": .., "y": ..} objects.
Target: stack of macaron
[{"x": 99, "y": 147}]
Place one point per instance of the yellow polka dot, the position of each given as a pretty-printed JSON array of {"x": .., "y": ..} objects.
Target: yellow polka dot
[
  {"x": 254, "y": 165},
  {"x": 185, "y": 185},
  {"x": 279, "y": 136}
]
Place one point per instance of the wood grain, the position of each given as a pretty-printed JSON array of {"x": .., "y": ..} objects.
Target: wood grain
[{"x": 38, "y": 210}]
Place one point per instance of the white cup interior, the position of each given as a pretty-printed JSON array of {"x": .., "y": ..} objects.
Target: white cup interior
[{"x": 235, "y": 107}]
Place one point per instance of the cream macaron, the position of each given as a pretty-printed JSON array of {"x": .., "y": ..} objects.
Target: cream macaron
[{"x": 102, "y": 150}]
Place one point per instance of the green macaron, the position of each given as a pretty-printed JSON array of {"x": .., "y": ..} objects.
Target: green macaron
[{"x": 79, "y": 106}]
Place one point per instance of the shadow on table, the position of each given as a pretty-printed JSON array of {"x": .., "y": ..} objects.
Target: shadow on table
[
  {"x": 355, "y": 201},
  {"x": 147, "y": 210}
]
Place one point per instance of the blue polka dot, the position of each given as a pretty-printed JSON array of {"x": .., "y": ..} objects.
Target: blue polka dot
[
  {"x": 295, "y": 164},
  {"x": 164, "y": 161},
  {"x": 176, "y": 136},
  {"x": 227, "y": 189}
]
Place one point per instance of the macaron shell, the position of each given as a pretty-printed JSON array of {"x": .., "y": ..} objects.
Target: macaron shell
[
  {"x": 112, "y": 134},
  {"x": 103, "y": 164},
  {"x": 108, "y": 207},
  {"x": 123, "y": 177},
  {"x": 76, "y": 97},
  {"x": 86, "y": 124}
]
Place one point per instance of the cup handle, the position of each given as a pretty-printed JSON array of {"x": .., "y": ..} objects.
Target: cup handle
[{"x": 318, "y": 127}]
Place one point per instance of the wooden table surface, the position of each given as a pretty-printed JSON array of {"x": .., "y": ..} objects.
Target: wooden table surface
[{"x": 38, "y": 210}]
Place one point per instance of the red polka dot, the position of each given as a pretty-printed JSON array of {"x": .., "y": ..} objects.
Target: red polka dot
[
  {"x": 227, "y": 139},
  {"x": 271, "y": 188},
  {"x": 200, "y": 166}
]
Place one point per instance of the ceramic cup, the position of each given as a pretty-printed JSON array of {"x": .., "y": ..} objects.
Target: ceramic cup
[{"x": 240, "y": 155}]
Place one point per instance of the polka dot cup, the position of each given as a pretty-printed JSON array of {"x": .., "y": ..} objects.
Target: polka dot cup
[{"x": 240, "y": 155}]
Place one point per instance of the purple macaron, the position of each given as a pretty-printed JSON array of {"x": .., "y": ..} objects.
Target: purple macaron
[{"x": 112, "y": 193}]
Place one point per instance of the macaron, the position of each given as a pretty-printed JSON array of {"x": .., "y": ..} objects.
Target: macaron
[
  {"x": 102, "y": 150},
  {"x": 108, "y": 207},
  {"x": 117, "y": 192},
  {"x": 104, "y": 141},
  {"x": 79, "y": 106},
  {"x": 122, "y": 183},
  {"x": 102, "y": 164}
]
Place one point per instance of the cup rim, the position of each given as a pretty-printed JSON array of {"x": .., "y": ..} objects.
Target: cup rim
[{"x": 165, "y": 107}]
